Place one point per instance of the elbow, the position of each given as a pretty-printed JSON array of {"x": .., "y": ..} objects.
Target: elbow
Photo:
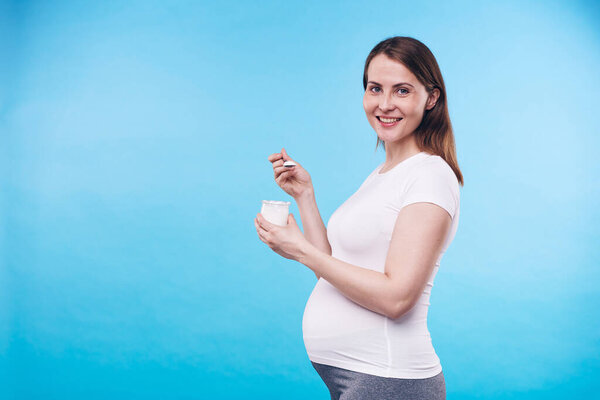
[
  {"x": 395, "y": 313},
  {"x": 399, "y": 308}
]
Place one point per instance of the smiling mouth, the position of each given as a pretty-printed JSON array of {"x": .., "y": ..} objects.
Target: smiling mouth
[{"x": 388, "y": 120}]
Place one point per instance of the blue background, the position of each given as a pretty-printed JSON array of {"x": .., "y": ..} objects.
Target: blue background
[{"x": 134, "y": 145}]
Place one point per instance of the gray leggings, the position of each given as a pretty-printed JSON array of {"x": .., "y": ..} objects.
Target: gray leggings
[{"x": 344, "y": 384}]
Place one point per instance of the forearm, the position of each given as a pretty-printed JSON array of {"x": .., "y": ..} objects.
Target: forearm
[
  {"x": 371, "y": 289},
  {"x": 312, "y": 223}
]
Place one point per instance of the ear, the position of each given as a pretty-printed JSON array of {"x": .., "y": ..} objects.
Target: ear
[{"x": 432, "y": 99}]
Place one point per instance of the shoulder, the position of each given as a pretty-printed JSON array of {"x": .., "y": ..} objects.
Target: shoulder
[
  {"x": 435, "y": 168},
  {"x": 432, "y": 180}
]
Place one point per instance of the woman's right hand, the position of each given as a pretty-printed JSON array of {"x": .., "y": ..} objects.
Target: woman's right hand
[{"x": 295, "y": 181}]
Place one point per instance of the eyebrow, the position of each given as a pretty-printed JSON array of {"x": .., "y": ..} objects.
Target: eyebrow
[{"x": 396, "y": 85}]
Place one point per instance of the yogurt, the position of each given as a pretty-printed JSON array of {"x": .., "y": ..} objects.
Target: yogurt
[{"x": 275, "y": 212}]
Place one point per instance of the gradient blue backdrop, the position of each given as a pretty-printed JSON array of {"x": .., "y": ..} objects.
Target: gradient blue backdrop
[{"x": 134, "y": 144}]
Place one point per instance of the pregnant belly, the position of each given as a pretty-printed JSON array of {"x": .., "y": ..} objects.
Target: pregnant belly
[{"x": 328, "y": 313}]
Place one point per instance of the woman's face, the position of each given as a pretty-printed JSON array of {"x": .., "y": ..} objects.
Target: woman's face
[{"x": 394, "y": 100}]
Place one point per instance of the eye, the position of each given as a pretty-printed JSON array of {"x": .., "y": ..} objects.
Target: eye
[
  {"x": 401, "y": 91},
  {"x": 375, "y": 89}
]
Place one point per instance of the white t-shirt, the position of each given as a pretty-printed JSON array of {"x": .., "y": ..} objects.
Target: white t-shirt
[{"x": 344, "y": 334}]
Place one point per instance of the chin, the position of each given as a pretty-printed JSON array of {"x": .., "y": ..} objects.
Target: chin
[
  {"x": 391, "y": 139},
  {"x": 388, "y": 136}
]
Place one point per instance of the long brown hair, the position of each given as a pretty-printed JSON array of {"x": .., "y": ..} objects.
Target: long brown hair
[{"x": 434, "y": 135}]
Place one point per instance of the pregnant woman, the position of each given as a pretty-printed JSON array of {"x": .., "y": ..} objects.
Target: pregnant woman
[{"x": 365, "y": 323}]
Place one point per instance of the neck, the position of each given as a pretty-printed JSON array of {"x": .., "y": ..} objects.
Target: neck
[{"x": 396, "y": 152}]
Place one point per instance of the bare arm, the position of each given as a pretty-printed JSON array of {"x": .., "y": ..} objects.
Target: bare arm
[
  {"x": 297, "y": 183},
  {"x": 416, "y": 242},
  {"x": 312, "y": 223}
]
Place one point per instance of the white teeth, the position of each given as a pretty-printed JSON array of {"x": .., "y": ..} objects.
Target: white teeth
[{"x": 389, "y": 120}]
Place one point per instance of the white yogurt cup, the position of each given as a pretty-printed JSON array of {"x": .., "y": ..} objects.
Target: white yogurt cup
[{"x": 276, "y": 212}]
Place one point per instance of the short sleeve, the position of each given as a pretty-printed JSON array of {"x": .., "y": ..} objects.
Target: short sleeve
[{"x": 433, "y": 183}]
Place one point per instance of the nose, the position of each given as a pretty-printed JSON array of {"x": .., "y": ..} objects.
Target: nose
[{"x": 385, "y": 103}]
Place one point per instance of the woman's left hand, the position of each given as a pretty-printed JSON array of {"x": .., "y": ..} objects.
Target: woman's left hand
[{"x": 287, "y": 241}]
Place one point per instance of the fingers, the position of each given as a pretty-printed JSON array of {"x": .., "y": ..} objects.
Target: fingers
[
  {"x": 263, "y": 223},
  {"x": 279, "y": 156},
  {"x": 261, "y": 231},
  {"x": 277, "y": 160},
  {"x": 282, "y": 176},
  {"x": 275, "y": 157},
  {"x": 279, "y": 169},
  {"x": 262, "y": 234}
]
